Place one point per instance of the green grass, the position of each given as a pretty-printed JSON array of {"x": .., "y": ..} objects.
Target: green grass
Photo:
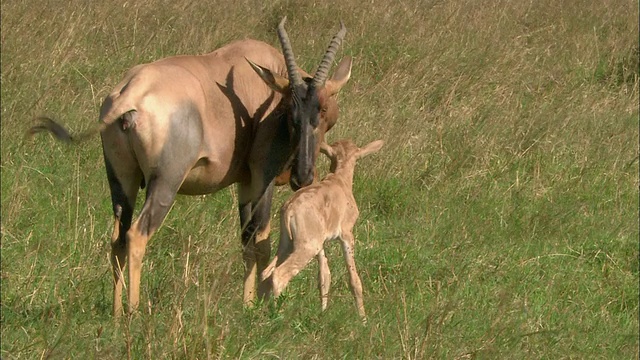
[{"x": 500, "y": 220}]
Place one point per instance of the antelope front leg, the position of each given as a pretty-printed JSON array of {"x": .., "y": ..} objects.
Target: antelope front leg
[
  {"x": 256, "y": 225},
  {"x": 248, "y": 251},
  {"x": 263, "y": 253},
  {"x": 256, "y": 255}
]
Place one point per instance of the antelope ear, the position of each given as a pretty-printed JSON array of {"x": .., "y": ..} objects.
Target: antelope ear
[
  {"x": 340, "y": 76},
  {"x": 276, "y": 82},
  {"x": 370, "y": 148}
]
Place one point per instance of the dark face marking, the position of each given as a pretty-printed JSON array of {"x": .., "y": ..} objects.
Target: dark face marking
[{"x": 306, "y": 110}]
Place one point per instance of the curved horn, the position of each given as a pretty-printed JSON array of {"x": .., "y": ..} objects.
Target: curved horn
[
  {"x": 289, "y": 59},
  {"x": 323, "y": 70}
]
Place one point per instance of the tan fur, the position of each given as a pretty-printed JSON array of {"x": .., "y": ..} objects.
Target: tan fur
[
  {"x": 194, "y": 125},
  {"x": 231, "y": 149},
  {"x": 320, "y": 212},
  {"x": 158, "y": 89}
]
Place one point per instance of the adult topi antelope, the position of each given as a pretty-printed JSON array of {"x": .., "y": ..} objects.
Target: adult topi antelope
[
  {"x": 196, "y": 124},
  {"x": 320, "y": 212}
]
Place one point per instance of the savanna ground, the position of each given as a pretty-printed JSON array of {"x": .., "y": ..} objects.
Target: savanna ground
[{"x": 499, "y": 221}]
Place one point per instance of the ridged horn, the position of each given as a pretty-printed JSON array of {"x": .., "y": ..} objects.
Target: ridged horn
[
  {"x": 323, "y": 70},
  {"x": 292, "y": 69}
]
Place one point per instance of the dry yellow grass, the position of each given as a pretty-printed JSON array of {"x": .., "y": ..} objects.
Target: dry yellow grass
[{"x": 499, "y": 221}]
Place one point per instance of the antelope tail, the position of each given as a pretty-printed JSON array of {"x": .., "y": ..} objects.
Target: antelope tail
[
  {"x": 61, "y": 133},
  {"x": 114, "y": 108}
]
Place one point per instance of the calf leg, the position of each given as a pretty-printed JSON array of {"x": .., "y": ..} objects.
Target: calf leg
[
  {"x": 285, "y": 248},
  {"x": 324, "y": 278},
  {"x": 354, "y": 280},
  {"x": 299, "y": 258}
]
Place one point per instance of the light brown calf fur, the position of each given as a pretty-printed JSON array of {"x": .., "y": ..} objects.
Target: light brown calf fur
[{"x": 323, "y": 211}]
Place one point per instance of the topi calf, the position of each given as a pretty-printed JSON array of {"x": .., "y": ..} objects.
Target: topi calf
[{"x": 322, "y": 211}]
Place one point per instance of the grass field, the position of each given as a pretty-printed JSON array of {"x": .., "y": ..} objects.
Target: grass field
[{"x": 500, "y": 220}]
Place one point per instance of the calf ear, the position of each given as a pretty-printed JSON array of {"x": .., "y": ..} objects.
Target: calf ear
[
  {"x": 340, "y": 76},
  {"x": 331, "y": 154},
  {"x": 326, "y": 149},
  {"x": 370, "y": 148},
  {"x": 276, "y": 82}
]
